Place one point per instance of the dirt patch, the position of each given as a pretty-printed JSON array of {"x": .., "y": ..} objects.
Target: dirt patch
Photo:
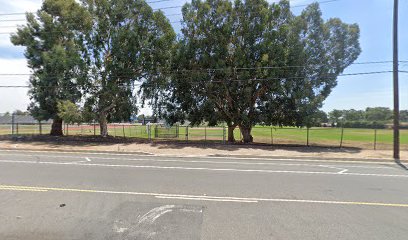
[{"x": 132, "y": 145}]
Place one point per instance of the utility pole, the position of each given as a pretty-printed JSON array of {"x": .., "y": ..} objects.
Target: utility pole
[{"x": 396, "y": 90}]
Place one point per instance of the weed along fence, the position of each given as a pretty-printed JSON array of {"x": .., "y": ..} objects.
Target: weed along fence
[{"x": 325, "y": 137}]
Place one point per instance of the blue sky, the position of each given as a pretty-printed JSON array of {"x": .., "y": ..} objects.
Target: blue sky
[{"x": 373, "y": 16}]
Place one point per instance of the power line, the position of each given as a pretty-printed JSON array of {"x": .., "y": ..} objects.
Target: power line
[
  {"x": 12, "y": 20},
  {"x": 206, "y": 70},
  {"x": 163, "y": 8},
  {"x": 321, "y": 2},
  {"x": 12, "y": 14},
  {"x": 170, "y": 7},
  {"x": 24, "y": 13},
  {"x": 158, "y": 1},
  {"x": 9, "y": 26},
  {"x": 244, "y": 80}
]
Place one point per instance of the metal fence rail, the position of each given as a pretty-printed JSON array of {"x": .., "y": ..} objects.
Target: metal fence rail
[{"x": 324, "y": 137}]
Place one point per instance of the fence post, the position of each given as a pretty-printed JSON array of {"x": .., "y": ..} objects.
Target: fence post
[
  {"x": 375, "y": 139},
  {"x": 341, "y": 138},
  {"x": 307, "y": 136},
  {"x": 187, "y": 134},
  {"x": 205, "y": 134},
  {"x": 123, "y": 130},
  {"x": 223, "y": 134},
  {"x": 40, "y": 127},
  {"x": 94, "y": 128},
  {"x": 271, "y": 135},
  {"x": 17, "y": 128},
  {"x": 13, "y": 122},
  {"x": 154, "y": 130}
]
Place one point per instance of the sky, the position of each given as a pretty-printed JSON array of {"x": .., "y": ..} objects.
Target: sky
[{"x": 358, "y": 92}]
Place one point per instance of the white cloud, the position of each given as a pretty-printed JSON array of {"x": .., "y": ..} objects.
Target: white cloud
[
  {"x": 14, "y": 6},
  {"x": 13, "y": 66},
  {"x": 13, "y": 98},
  {"x": 19, "y": 5},
  {"x": 5, "y": 40}
]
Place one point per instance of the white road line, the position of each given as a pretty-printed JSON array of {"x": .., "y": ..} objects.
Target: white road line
[
  {"x": 343, "y": 171},
  {"x": 205, "y": 198},
  {"x": 300, "y": 158},
  {"x": 201, "y": 168},
  {"x": 332, "y": 167},
  {"x": 86, "y": 160},
  {"x": 338, "y": 167}
]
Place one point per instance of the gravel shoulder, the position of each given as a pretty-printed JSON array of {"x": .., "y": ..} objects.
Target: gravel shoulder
[{"x": 197, "y": 149}]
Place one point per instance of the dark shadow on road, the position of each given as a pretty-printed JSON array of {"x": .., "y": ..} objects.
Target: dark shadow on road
[{"x": 399, "y": 163}]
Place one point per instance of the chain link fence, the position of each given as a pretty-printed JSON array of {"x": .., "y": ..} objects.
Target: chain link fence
[{"x": 324, "y": 137}]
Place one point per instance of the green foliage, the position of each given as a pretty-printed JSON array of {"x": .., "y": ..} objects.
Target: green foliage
[
  {"x": 19, "y": 112},
  {"x": 364, "y": 124},
  {"x": 316, "y": 119},
  {"x": 69, "y": 112},
  {"x": 378, "y": 114},
  {"x": 375, "y": 114},
  {"x": 335, "y": 116},
  {"x": 404, "y": 116},
  {"x": 353, "y": 115},
  {"x": 128, "y": 43},
  {"x": 52, "y": 41},
  {"x": 240, "y": 41}
]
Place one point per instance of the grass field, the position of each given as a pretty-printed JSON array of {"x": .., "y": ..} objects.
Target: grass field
[{"x": 363, "y": 138}]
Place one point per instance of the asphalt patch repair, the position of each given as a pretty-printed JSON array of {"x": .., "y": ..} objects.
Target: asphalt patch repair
[
  {"x": 131, "y": 220},
  {"x": 128, "y": 220}
]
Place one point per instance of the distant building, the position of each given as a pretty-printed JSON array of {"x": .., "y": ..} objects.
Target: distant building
[{"x": 326, "y": 124}]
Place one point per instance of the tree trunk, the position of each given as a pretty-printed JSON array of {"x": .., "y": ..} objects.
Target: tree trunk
[
  {"x": 246, "y": 134},
  {"x": 103, "y": 124},
  {"x": 56, "y": 127},
  {"x": 231, "y": 138}
]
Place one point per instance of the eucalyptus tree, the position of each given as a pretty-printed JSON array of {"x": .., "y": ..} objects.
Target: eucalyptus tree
[
  {"x": 128, "y": 45},
  {"x": 52, "y": 39},
  {"x": 251, "y": 62}
]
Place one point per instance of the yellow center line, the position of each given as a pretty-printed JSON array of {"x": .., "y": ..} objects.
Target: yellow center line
[
  {"x": 203, "y": 198},
  {"x": 22, "y": 189}
]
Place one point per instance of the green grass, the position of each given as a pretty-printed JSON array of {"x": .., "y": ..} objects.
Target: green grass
[{"x": 272, "y": 135}]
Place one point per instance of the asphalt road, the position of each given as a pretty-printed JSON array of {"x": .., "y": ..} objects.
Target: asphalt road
[{"x": 56, "y": 195}]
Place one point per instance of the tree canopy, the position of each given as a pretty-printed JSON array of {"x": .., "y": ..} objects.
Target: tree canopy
[
  {"x": 53, "y": 46},
  {"x": 69, "y": 112},
  {"x": 378, "y": 114},
  {"x": 251, "y": 62},
  {"x": 128, "y": 43},
  {"x": 241, "y": 62}
]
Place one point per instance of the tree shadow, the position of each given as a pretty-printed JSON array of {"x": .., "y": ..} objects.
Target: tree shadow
[
  {"x": 91, "y": 141},
  {"x": 260, "y": 146},
  {"x": 399, "y": 163}
]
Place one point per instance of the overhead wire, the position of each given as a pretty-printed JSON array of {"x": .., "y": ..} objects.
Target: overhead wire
[
  {"x": 172, "y": 7},
  {"x": 154, "y": 9},
  {"x": 245, "y": 80},
  {"x": 206, "y": 70}
]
